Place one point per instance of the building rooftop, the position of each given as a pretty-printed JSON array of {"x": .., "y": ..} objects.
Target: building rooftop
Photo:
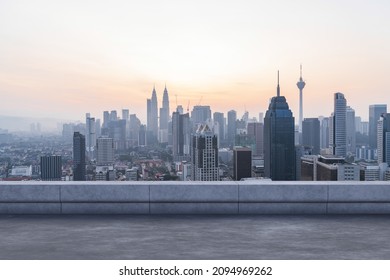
[{"x": 194, "y": 237}]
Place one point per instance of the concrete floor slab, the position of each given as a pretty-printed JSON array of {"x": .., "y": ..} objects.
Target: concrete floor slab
[{"x": 194, "y": 237}]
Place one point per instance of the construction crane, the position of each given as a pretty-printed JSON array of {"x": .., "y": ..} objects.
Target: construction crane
[
  {"x": 188, "y": 106},
  {"x": 200, "y": 100}
]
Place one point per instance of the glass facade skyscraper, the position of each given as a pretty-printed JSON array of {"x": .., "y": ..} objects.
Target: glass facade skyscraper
[
  {"x": 78, "y": 157},
  {"x": 279, "y": 148},
  {"x": 339, "y": 127},
  {"x": 375, "y": 112}
]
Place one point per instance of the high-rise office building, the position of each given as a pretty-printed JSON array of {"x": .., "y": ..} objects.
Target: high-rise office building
[
  {"x": 125, "y": 114},
  {"x": 200, "y": 114},
  {"x": 113, "y": 116},
  {"x": 256, "y": 131},
  {"x": 205, "y": 155},
  {"x": 231, "y": 127},
  {"x": 375, "y": 111},
  {"x": 78, "y": 157},
  {"x": 134, "y": 127},
  {"x": 142, "y": 135},
  {"x": 105, "y": 151},
  {"x": 339, "y": 126},
  {"x": 51, "y": 168},
  {"x": 219, "y": 118},
  {"x": 351, "y": 130},
  {"x": 152, "y": 117},
  {"x": 106, "y": 119},
  {"x": 279, "y": 148},
  {"x": 117, "y": 131},
  {"x": 311, "y": 134},
  {"x": 301, "y": 84},
  {"x": 90, "y": 136},
  {"x": 181, "y": 136},
  {"x": 358, "y": 124},
  {"x": 383, "y": 131},
  {"x": 98, "y": 128},
  {"x": 261, "y": 117},
  {"x": 324, "y": 133},
  {"x": 242, "y": 163},
  {"x": 164, "y": 118}
]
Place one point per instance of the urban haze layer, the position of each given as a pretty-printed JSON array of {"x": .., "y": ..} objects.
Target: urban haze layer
[{"x": 197, "y": 144}]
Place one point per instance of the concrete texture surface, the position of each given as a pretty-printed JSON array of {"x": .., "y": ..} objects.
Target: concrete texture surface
[
  {"x": 194, "y": 208},
  {"x": 104, "y": 193},
  {"x": 195, "y": 197},
  {"x": 29, "y": 192},
  {"x": 280, "y": 192},
  {"x": 194, "y": 237},
  {"x": 200, "y": 191}
]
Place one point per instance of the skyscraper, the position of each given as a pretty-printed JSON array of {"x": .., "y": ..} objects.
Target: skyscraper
[
  {"x": 164, "y": 117},
  {"x": 279, "y": 149},
  {"x": 375, "y": 111},
  {"x": 78, "y": 157},
  {"x": 205, "y": 155},
  {"x": 106, "y": 119},
  {"x": 351, "y": 131},
  {"x": 98, "y": 128},
  {"x": 242, "y": 163},
  {"x": 181, "y": 134},
  {"x": 51, "y": 168},
  {"x": 200, "y": 114},
  {"x": 324, "y": 133},
  {"x": 311, "y": 134},
  {"x": 134, "y": 127},
  {"x": 256, "y": 131},
  {"x": 113, "y": 115},
  {"x": 339, "y": 126},
  {"x": 142, "y": 135},
  {"x": 219, "y": 118},
  {"x": 90, "y": 136},
  {"x": 117, "y": 131},
  {"x": 152, "y": 116},
  {"x": 301, "y": 84},
  {"x": 125, "y": 114},
  {"x": 383, "y": 130},
  {"x": 231, "y": 127},
  {"x": 105, "y": 151}
]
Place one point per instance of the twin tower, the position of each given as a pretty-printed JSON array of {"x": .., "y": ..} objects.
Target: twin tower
[{"x": 157, "y": 131}]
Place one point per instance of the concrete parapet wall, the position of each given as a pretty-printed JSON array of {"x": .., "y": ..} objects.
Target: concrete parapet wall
[{"x": 249, "y": 197}]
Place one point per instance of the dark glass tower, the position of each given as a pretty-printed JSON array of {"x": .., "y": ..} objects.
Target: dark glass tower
[
  {"x": 279, "y": 149},
  {"x": 242, "y": 163},
  {"x": 78, "y": 157},
  {"x": 181, "y": 136},
  {"x": 51, "y": 168}
]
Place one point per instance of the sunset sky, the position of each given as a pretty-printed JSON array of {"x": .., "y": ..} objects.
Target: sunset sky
[{"x": 62, "y": 59}]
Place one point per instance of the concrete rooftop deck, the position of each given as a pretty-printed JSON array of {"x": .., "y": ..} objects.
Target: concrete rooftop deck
[{"x": 194, "y": 237}]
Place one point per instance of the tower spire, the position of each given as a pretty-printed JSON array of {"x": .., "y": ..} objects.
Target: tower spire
[
  {"x": 278, "y": 88},
  {"x": 301, "y": 70},
  {"x": 301, "y": 84}
]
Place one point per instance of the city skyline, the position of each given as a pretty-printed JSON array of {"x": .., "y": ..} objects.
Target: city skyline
[{"x": 64, "y": 59}]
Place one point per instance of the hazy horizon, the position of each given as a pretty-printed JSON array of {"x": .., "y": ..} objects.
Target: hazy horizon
[{"x": 64, "y": 59}]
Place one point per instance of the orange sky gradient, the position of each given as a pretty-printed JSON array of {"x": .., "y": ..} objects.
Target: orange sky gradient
[{"x": 62, "y": 59}]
